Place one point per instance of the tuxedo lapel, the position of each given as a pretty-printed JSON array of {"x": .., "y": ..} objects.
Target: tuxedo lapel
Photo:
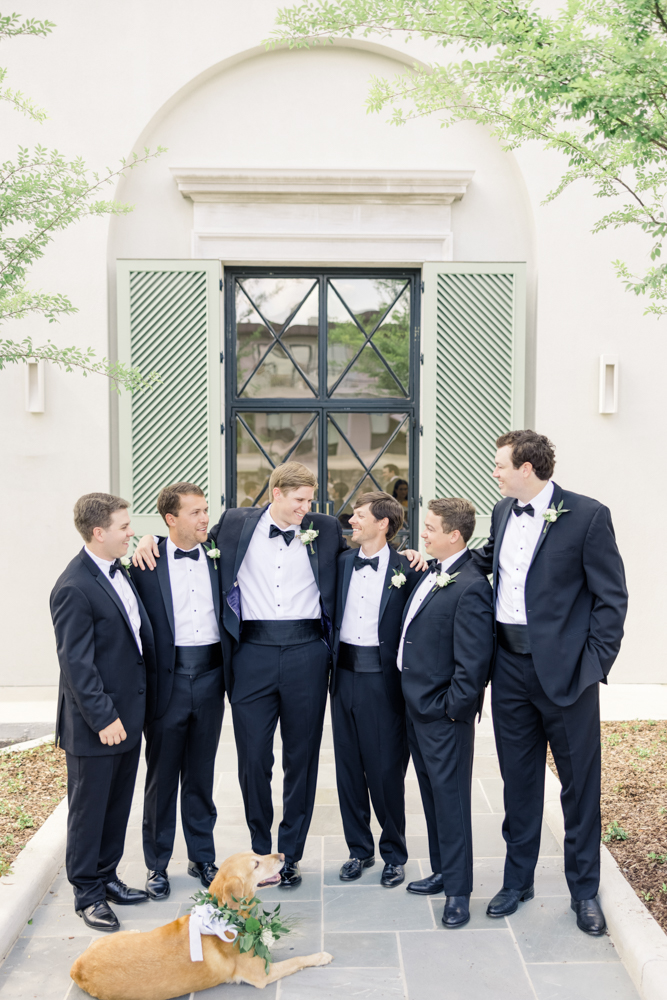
[
  {"x": 454, "y": 568},
  {"x": 249, "y": 525},
  {"x": 165, "y": 585},
  {"x": 503, "y": 517},
  {"x": 105, "y": 584},
  {"x": 394, "y": 562},
  {"x": 213, "y": 572},
  {"x": 347, "y": 576},
  {"x": 555, "y": 499},
  {"x": 146, "y": 626},
  {"x": 312, "y": 555}
]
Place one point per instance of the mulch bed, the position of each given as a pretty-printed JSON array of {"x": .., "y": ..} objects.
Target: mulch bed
[
  {"x": 32, "y": 783},
  {"x": 634, "y": 807}
]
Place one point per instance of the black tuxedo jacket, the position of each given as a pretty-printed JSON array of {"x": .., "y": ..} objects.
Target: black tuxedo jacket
[
  {"x": 232, "y": 536},
  {"x": 155, "y": 591},
  {"x": 103, "y": 676},
  {"x": 576, "y": 598},
  {"x": 448, "y": 647},
  {"x": 392, "y": 604}
]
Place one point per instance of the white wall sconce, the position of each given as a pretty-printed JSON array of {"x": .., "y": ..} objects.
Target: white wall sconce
[
  {"x": 34, "y": 386},
  {"x": 608, "y": 383}
]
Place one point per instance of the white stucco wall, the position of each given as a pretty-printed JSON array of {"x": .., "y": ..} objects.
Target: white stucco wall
[{"x": 116, "y": 77}]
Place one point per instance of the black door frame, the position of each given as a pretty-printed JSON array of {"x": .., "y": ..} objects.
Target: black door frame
[{"x": 321, "y": 405}]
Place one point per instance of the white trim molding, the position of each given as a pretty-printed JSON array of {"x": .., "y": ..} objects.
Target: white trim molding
[{"x": 345, "y": 216}]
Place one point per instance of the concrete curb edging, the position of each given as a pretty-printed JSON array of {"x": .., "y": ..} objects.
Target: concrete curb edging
[
  {"x": 640, "y": 941},
  {"x": 32, "y": 874}
]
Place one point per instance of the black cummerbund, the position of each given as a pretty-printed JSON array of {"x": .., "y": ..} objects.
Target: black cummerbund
[
  {"x": 360, "y": 659},
  {"x": 282, "y": 633},
  {"x": 193, "y": 660},
  {"x": 513, "y": 638}
]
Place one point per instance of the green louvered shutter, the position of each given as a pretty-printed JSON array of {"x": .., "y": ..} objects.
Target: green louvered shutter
[
  {"x": 473, "y": 384},
  {"x": 169, "y": 321}
]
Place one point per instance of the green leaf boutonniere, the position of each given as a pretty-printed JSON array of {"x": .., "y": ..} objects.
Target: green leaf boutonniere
[
  {"x": 308, "y": 537},
  {"x": 553, "y": 514},
  {"x": 444, "y": 580},
  {"x": 213, "y": 554},
  {"x": 398, "y": 579}
]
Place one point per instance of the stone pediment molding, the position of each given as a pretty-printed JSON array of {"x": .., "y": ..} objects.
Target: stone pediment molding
[
  {"x": 304, "y": 186},
  {"x": 302, "y": 215}
]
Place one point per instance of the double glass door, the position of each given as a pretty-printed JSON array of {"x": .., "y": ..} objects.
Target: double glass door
[{"x": 322, "y": 369}]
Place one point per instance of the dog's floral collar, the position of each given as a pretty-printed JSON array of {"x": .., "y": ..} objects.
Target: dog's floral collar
[{"x": 254, "y": 929}]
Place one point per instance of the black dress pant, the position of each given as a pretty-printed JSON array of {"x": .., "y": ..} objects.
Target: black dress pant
[
  {"x": 286, "y": 683},
  {"x": 99, "y": 796},
  {"x": 370, "y": 747},
  {"x": 442, "y": 753},
  {"x": 182, "y": 744},
  {"x": 524, "y": 719}
]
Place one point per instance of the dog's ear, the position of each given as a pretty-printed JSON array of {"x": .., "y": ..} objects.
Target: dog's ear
[{"x": 227, "y": 888}]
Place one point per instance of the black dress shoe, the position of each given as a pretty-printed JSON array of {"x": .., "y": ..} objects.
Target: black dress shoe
[
  {"x": 99, "y": 916},
  {"x": 290, "y": 875},
  {"x": 353, "y": 868},
  {"x": 157, "y": 884},
  {"x": 392, "y": 875},
  {"x": 590, "y": 918},
  {"x": 123, "y": 895},
  {"x": 426, "y": 886},
  {"x": 205, "y": 871},
  {"x": 457, "y": 911},
  {"x": 507, "y": 901}
]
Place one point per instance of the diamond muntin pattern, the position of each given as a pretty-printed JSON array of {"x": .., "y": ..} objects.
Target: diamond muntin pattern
[{"x": 169, "y": 425}]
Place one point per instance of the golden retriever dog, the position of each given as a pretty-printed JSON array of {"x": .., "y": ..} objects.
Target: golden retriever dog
[{"x": 156, "y": 965}]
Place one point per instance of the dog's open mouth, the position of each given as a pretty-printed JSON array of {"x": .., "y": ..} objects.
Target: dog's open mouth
[{"x": 269, "y": 881}]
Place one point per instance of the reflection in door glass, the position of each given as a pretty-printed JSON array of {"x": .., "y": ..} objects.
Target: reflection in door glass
[
  {"x": 367, "y": 451},
  {"x": 368, "y": 337},
  {"x": 265, "y": 440},
  {"x": 277, "y": 337}
]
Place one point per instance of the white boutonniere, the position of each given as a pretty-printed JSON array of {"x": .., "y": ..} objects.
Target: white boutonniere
[
  {"x": 126, "y": 562},
  {"x": 398, "y": 579},
  {"x": 308, "y": 537},
  {"x": 553, "y": 514},
  {"x": 444, "y": 580},
  {"x": 213, "y": 554}
]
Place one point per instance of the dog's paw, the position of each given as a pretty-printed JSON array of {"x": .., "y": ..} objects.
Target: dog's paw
[{"x": 324, "y": 958}]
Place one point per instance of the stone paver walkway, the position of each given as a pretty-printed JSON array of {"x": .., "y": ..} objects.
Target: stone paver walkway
[{"x": 386, "y": 943}]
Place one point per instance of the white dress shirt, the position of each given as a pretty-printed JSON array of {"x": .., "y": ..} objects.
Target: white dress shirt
[
  {"x": 276, "y": 579},
  {"x": 522, "y": 534},
  {"x": 120, "y": 584},
  {"x": 362, "y": 607},
  {"x": 195, "y": 623},
  {"x": 419, "y": 596}
]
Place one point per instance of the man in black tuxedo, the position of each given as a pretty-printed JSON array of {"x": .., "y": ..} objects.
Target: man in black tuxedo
[
  {"x": 367, "y": 707},
  {"x": 445, "y": 657},
  {"x": 560, "y": 604},
  {"x": 278, "y": 596},
  {"x": 107, "y": 663},
  {"x": 182, "y": 599}
]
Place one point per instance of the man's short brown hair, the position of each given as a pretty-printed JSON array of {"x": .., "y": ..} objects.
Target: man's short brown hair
[
  {"x": 290, "y": 476},
  {"x": 169, "y": 499},
  {"x": 381, "y": 505},
  {"x": 456, "y": 514},
  {"x": 94, "y": 510},
  {"x": 527, "y": 446}
]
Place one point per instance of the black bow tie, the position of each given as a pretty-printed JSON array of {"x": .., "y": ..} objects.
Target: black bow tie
[
  {"x": 115, "y": 566},
  {"x": 519, "y": 510},
  {"x": 360, "y": 562},
  {"x": 433, "y": 566},
  {"x": 274, "y": 531},
  {"x": 189, "y": 554}
]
